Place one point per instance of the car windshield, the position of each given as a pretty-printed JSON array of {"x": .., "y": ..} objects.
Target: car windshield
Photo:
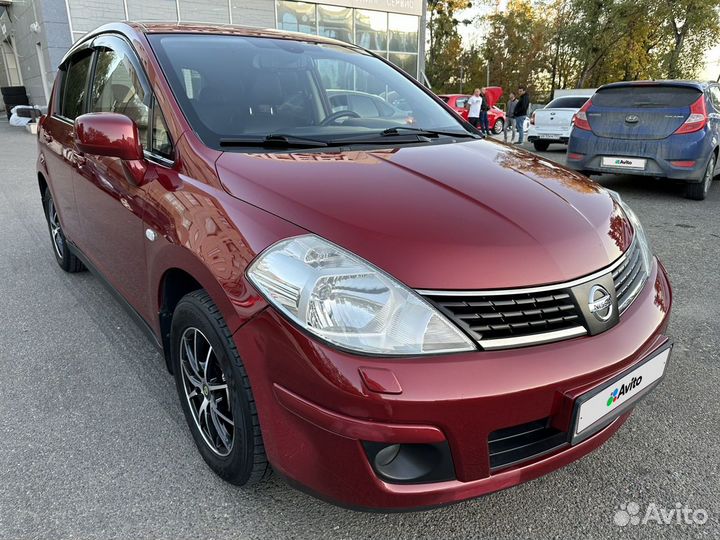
[{"x": 236, "y": 88}]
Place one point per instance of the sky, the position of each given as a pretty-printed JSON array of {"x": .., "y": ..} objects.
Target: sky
[{"x": 473, "y": 33}]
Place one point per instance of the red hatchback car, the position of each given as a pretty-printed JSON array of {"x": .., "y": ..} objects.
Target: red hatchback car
[
  {"x": 496, "y": 116},
  {"x": 390, "y": 312}
]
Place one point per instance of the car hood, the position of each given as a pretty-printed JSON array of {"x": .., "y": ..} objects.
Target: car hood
[{"x": 471, "y": 215}]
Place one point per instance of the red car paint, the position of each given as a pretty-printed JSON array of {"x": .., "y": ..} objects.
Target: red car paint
[
  {"x": 494, "y": 94},
  {"x": 475, "y": 215}
]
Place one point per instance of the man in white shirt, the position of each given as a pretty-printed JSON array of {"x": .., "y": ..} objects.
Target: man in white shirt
[{"x": 473, "y": 106}]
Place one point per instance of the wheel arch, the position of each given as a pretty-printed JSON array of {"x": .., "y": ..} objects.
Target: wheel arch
[{"x": 178, "y": 272}]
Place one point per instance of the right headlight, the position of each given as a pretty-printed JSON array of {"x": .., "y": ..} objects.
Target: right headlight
[
  {"x": 640, "y": 236},
  {"x": 346, "y": 301}
]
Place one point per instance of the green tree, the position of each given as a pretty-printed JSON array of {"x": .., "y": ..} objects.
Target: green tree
[{"x": 444, "y": 58}]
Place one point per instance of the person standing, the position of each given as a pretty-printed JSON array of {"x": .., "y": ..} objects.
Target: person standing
[
  {"x": 521, "y": 111},
  {"x": 484, "y": 108},
  {"x": 473, "y": 106},
  {"x": 510, "y": 118}
]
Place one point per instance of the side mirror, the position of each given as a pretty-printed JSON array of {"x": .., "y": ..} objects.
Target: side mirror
[{"x": 108, "y": 134}]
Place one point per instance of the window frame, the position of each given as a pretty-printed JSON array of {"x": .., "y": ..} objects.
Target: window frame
[
  {"x": 58, "y": 107},
  {"x": 118, "y": 44}
]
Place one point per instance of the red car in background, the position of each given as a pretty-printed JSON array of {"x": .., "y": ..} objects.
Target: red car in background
[
  {"x": 393, "y": 316},
  {"x": 496, "y": 116}
]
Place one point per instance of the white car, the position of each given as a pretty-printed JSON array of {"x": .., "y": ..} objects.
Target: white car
[{"x": 552, "y": 123}]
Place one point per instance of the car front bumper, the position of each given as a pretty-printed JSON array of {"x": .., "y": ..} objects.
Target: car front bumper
[
  {"x": 321, "y": 409},
  {"x": 586, "y": 150}
]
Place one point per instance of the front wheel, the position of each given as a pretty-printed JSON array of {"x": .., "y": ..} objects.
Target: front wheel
[
  {"x": 499, "y": 126},
  {"x": 697, "y": 191},
  {"x": 64, "y": 256},
  {"x": 541, "y": 146},
  {"x": 215, "y": 392}
]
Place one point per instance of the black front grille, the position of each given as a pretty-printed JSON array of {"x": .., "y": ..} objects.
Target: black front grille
[
  {"x": 523, "y": 442},
  {"x": 629, "y": 276},
  {"x": 511, "y": 315}
]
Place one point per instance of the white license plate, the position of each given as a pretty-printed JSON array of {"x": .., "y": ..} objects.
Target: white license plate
[
  {"x": 624, "y": 162},
  {"x": 605, "y": 402}
]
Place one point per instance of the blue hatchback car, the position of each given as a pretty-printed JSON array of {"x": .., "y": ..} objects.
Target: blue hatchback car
[{"x": 667, "y": 129}]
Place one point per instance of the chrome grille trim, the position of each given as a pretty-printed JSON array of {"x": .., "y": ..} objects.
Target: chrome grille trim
[
  {"x": 531, "y": 290},
  {"x": 532, "y": 339},
  {"x": 629, "y": 277}
]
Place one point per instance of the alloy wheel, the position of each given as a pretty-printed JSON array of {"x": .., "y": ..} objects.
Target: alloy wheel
[
  {"x": 55, "y": 231},
  {"x": 206, "y": 391}
]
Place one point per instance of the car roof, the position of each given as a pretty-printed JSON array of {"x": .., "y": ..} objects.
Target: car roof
[
  {"x": 129, "y": 28},
  {"x": 697, "y": 85}
]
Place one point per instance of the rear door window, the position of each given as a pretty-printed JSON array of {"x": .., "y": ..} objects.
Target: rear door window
[
  {"x": 631, "y": 97},
  {"x": 75, "y": 86}
]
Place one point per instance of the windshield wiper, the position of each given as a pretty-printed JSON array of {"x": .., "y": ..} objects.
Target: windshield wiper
[
  {"x": 275, "y": 140},
  {"x": 427, "y": 132}
]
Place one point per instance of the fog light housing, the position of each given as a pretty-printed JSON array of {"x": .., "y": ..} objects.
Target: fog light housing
[{"x": 402, "y": 463}]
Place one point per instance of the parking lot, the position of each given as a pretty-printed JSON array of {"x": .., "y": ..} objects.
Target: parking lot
[{"x": 94, "y": 444}]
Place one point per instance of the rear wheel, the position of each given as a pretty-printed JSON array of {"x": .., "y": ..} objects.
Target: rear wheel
[
  {"x": 215, "y": 392},
  {"x": 697, "y": 191},
  {"x": 499, "y": 126},
  {"x": 64, "y": 256},
  {"x": 541, "y": 146}
]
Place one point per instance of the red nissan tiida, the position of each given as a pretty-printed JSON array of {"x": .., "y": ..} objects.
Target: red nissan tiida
[{"x": 388, "y": 311}]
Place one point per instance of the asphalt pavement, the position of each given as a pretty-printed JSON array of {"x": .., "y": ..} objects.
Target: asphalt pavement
[{"x": 93, "y": 443}]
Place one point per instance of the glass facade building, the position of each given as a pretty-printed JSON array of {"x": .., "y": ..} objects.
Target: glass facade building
[{"x": 35, "y": 35}]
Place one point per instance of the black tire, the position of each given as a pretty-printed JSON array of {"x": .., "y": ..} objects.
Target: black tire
[
  {"x": 541, "y": 146},
  {"x": 64, "y": 256},
  {"x": 697, "y": 191},
  {"x": 245, "y": 461},
  {"x": 499, "y": 126}
]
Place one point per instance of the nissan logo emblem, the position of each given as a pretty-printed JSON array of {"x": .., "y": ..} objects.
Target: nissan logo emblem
[
  {"x": 632, "y": 118},
  {"x": 600, "y": 303}
]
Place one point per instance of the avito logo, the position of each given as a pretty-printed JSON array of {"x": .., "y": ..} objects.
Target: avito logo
[
  {"x": 624, "y": 389},
  {"x": 623, "y": 162}
]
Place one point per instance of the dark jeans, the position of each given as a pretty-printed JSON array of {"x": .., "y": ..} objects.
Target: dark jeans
[
  {"x": 474, "y": 120},
  {"x": 484, "y": 124},
  {"x": 520, "y": 124}
]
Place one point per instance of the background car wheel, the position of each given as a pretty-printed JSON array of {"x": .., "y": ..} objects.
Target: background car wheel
[
  {"x": 541, "y": 146},
  {"x": 699, "y": 190},
  {"x": 499, "y": 126},
  {"x": 63, "y": 255},
  {"x": 215, "y": 392}
]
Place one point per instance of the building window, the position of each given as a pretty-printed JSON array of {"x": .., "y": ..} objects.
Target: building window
[
  {"x": 335, "y": 22},
  {"x": 156, "y": 10},
  {"x": 403, "y": 33},
  {"x": 296, "y": 17},
  {"x": 371, "y": 30},
  {"x": 206, "y": 11}
]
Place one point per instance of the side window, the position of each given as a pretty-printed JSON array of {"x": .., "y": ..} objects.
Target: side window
[
  {"x": 75, "y": 83},
  {"x": 715, "y": 97},
  {"x": 117, "y": 88},
  {"x": 460, "y": 103},
  {"x": 160, "y": 143},
  {"x": 363, "y": 106}
]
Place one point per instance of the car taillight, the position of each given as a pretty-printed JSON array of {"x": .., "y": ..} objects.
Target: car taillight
[
  {"x": 698, "y": 117},
  {"x": 580, "y": 120},
  {"x": 532, "y": 119}
]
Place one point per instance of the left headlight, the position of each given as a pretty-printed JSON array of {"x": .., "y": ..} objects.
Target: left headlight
[{"x": 348, "y": 302}]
